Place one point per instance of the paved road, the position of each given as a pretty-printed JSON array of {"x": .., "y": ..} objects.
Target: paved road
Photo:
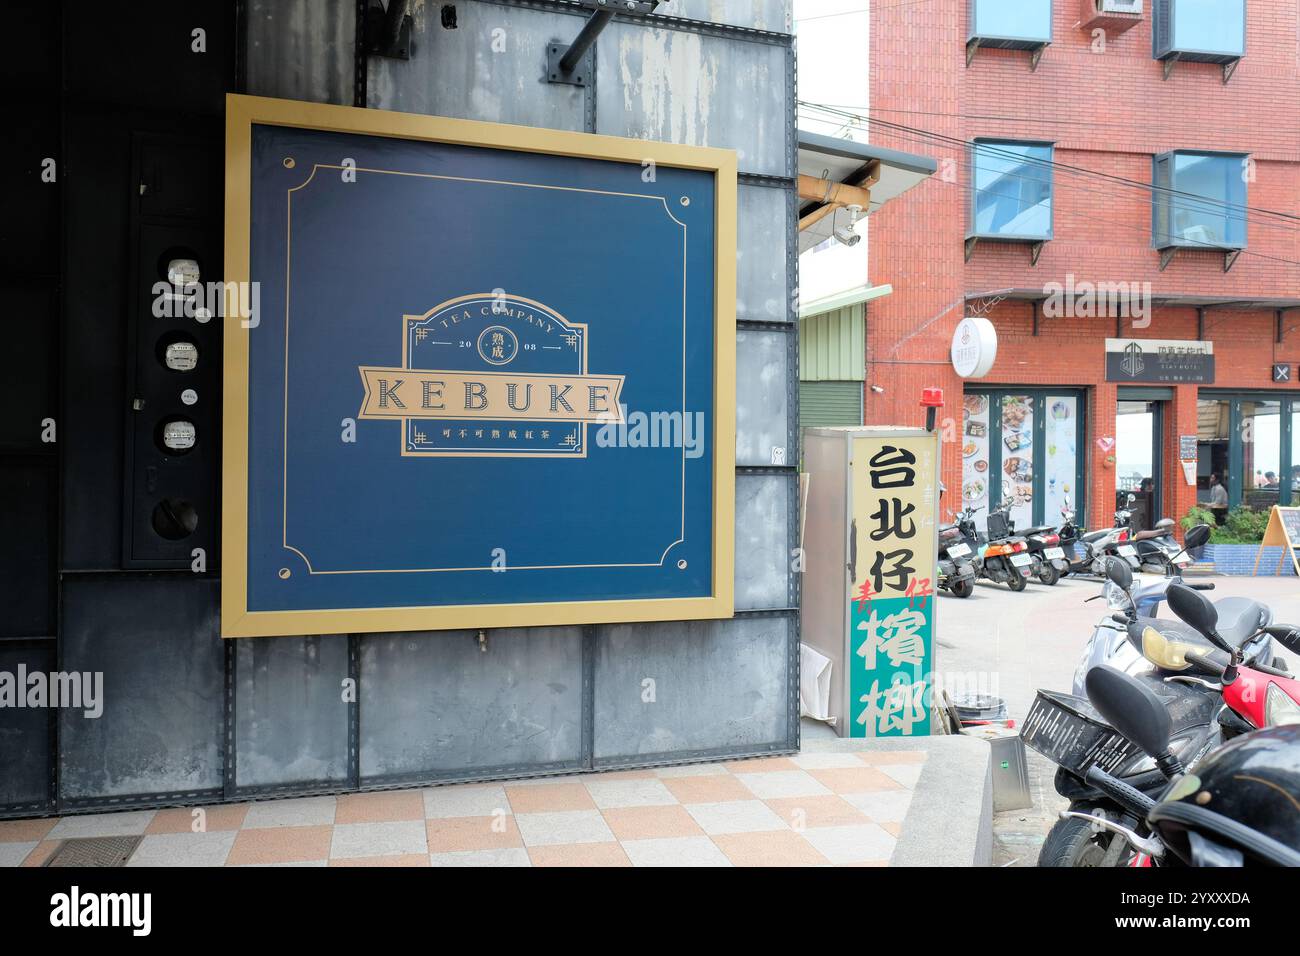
[{"x": 1013, "y": 644}]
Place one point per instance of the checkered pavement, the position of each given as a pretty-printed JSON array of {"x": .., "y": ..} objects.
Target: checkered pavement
[{"x": 812, "y": 809}]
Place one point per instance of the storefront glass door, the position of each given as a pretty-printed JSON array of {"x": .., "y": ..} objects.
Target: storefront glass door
[
  {"x": 1023, "y": 445},
  {"x": 1139, "y": 435},
  {"x": 1261, "y": 453}
]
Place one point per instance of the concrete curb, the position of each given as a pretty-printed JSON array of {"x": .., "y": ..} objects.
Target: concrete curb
[{"x": 950, "y": 819}]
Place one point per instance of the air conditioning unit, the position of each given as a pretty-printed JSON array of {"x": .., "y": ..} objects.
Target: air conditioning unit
[{"x": 1113, "y": 16}]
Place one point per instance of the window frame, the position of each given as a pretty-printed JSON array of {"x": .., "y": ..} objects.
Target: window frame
[
  {"x": 1002, "y": 40},
  {"x": 972, "y": 208},
  {"x": 1162, "y": 197},
  {"x": 1288, "y": 440},
  {"x": 1169, "y": 10}
]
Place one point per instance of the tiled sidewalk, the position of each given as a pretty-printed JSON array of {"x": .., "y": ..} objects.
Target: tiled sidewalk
[{"x": 812, "y": 809}]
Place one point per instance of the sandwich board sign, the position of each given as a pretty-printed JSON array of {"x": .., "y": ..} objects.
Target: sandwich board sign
[
  {"x": 1283, "y": 531},
  {"x": 491, "y": 381}
]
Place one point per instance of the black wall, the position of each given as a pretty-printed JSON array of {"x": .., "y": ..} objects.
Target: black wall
[{"x": 131, "y": 116}]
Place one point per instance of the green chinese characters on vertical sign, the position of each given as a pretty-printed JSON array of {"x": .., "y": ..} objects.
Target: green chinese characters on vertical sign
[{"x": 895, "y": 488}]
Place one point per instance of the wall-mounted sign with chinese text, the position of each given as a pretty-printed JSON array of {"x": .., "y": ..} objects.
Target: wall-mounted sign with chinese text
[
  {"x": 490, "y": 381},
  {"x": 1164, "y": 361},
  {"x": 893, "y": 563}
]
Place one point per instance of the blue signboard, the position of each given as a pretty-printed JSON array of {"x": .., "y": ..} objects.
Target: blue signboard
[{"x": 488, "y": 380}]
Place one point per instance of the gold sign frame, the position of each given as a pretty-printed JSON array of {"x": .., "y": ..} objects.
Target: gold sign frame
[{"x": 237, "y": 620}]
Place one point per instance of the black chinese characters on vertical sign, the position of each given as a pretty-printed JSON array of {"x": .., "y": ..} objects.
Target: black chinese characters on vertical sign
[{"x": 892, "y": 468}]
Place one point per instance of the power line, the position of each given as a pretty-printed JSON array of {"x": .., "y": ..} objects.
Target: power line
[
  {"x": 1023, "y": 119},
  {"x": 1204, "y": 201},
  {"x": 1197, "y": 244},
  {"x": 1053, "y": 164}
]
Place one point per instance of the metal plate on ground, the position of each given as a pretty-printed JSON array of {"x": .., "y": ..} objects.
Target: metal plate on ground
[{"x": 94, "y": 851}]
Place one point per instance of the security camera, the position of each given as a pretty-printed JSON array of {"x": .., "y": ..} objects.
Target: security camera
[{"x": 847, "y": 236}]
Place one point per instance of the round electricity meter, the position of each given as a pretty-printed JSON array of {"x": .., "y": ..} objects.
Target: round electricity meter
[
  {"x": 183, "y": 272},
  {"x": 181, "y": 356},
  {"x": 178, "y": 435}
]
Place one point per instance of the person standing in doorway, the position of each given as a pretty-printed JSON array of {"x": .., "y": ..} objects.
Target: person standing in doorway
[{"x": 1218, "y": 499}]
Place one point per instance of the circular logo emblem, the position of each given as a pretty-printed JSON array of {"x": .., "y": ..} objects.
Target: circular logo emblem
[{"x": 497, "y": 345}]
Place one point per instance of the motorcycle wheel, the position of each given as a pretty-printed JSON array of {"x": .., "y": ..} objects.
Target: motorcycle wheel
[
  {"x": 1049, "y": 575},
  {"x": 963, "y": 589},
  {"x": 1016, "y": 582},
  {"x": 1073, "y": 843}
]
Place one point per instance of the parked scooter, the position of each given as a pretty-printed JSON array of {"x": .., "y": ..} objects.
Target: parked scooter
[
  {"x": 1045, "y": 547},
  {"x": 1004, "y": 558},
  {"x": 1096, "y": 546},
  {"x": 1202, "y": 713},
  {"x": 957, "y": 561},
  {"x": 1235, "y": 809},
  {"x": 1244, "y": 619},
  {"x": 1158, "y": 551}
]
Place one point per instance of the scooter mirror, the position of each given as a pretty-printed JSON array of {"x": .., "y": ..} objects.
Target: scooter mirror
[
  {"x": 1196, "y": 610},
  {"x": 1130, "y": 707},
  {"x": 1117, "y": 570},
  {"x": 1196, "y": 537},
  {"x": 1131, "y": 498}
]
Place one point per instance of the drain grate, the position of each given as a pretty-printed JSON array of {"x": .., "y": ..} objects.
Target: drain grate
[{"x": 94, "y": 851}]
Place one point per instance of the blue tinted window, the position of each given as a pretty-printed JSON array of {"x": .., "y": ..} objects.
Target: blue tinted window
[
  {"x": 1017, "y": 19},
  {"x": 1013, "y": 190},
  {"x": 1208, "y": 204},
  {"x": 1210, "y": 26}
]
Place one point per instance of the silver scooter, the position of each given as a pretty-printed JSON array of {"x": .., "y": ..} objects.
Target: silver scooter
[{"x": 1109, "y": 644}]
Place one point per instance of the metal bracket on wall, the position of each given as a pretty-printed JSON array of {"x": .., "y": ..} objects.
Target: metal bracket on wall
[
  {"x": 972, "y": 47},
  {"x": 1229, "y": 68},
  {"x": 388, "y": 31},
  {"x": 1035, "y": 56},
  {"x": 1169, "y": 65},
  {"x": 1166, "y": 257},
  {"x": 1229, "y": 258},
  {"x": 1035, "y": 250},
  {"x": 573, "y": 64},
  {"x": 971, "y": 243}
]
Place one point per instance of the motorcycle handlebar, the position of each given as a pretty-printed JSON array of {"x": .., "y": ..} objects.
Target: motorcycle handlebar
[
  {"x": 1201, "y": 586},
  {"x": 1130, "y": 798}
]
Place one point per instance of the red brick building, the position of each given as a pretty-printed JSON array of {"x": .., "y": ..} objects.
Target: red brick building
[{"x": 1079, "y": 123}]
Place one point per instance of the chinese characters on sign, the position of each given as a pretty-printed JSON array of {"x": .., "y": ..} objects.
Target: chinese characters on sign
[
  {"x": 891, "y": 610},
  {"x": 1165, "y": 361}
]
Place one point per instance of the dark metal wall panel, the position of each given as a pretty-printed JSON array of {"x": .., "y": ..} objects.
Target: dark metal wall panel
[
  {"x": 766, "y": 233},
  {"x": 302, "y": 49},
  {"x": 96, "y": 266},
  {"x": 27, "y": 505},
  {"x": 676, "y": 691},
  {"x": 29, "y": 230},
  {"x": 437, "y": 705},
  {"x": 490, "y": 67},
  {"x": 29, "y": 322},
  {"x": 154, "y": 638},
  {"x": 762, "y": 385},
  {"x": 772, "y": 15},
  {"x": 25, "y": 739},
  {"x": 290, "y": 712},
  {"x": 687, "y": 87},
  {"x": 764, "y": 503}
]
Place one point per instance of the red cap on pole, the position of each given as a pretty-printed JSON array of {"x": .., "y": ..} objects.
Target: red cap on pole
[{"x": 932, "y": 397}]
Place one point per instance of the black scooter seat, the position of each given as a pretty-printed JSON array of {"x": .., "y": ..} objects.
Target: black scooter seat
[{"x": 1239, "y": 618}]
